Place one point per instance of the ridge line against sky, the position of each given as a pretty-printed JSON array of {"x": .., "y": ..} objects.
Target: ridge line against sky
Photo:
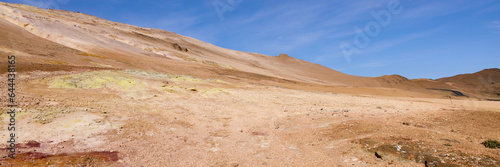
[{"x": 427, "y": 39}]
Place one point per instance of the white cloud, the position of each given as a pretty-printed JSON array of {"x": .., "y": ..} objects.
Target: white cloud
[
  {"x": 295, "y": 25},
  {"x": 437, "y": 8}
]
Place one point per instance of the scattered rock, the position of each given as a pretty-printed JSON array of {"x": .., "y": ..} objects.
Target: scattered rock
[
  {"x": 378, "y": 155},
  {"x": 431, "y": 163},
  {"x": 259, "y": 133},
  {"x": 32, "y": 144},
  {"x": 178, "y": 47},
  {"x": 283, "y": 55}
]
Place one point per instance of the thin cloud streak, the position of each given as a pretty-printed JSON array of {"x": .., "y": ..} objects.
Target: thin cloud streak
[
  {"x": 496, "y": 25},
  {"x": 44, "y": 4},
  {"x": 386, "y": 44}
]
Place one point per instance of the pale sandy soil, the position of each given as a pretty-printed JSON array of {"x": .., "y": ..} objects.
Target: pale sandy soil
[{"x": 160, "y": 120}]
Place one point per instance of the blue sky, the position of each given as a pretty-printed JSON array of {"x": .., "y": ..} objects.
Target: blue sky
[{"x": 412, "y": 38}]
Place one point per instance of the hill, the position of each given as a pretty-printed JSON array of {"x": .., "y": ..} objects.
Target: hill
[
  {"x": 91, "y": 92},
  {"x": 56, "y": 39},
  {"x": 482, "y": 84}
]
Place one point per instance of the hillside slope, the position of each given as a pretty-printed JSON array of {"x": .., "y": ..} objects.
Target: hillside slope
[
  {"x": 47, "y": 39},
  {"x": 94, "y": 42},
  {"x": 482, "y": 84}
]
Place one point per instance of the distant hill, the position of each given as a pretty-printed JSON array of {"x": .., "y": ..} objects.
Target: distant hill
[{"x": 483, "y": 84}]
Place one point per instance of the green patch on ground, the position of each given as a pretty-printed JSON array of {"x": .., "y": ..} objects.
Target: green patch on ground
[{"x": 493, "y": 144}]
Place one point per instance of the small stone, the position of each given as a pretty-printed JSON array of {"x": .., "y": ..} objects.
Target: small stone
[{"x": 378, "y": 155}]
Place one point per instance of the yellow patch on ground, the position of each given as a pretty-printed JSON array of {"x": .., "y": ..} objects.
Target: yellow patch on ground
[
  {"x": 93, "y": 80},
  {"x": 86, "y": 60},
  {"x": 6, "y": 117},
  {"x": 184, "y": 78},
  {"x": 212, "y": 63},
  {"x": 186, "y": 58},
  {"x": 55, "y": 62},
  {"x": 220, "y": 81},
  {"x": 215, "y": 90},
  {"x": 91, "y": 55},
  {"x": 175, "y": 89},
  {"x": 171, "y": 77},
  {"x": 6, "y": 49},
  {"x": 171, "y": 89}
]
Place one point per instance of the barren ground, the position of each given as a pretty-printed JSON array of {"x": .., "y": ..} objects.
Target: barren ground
[
  {"x": 135, "y": 117},
  {"x": 93, "y": 92}
]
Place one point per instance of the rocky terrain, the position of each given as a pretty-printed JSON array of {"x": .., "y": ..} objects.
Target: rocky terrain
[{"x": 91, "y": 92}]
